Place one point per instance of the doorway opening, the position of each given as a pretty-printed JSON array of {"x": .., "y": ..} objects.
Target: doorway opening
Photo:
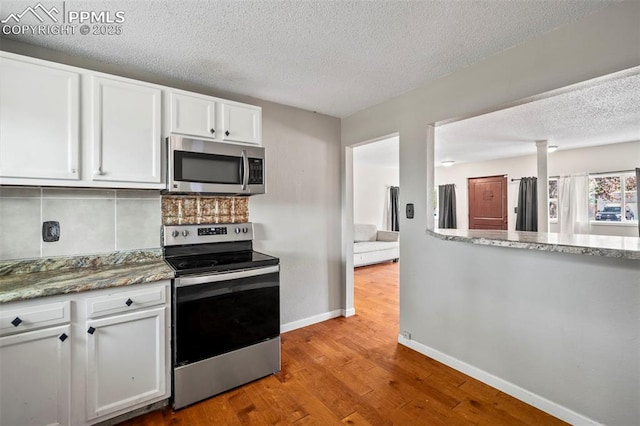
[
  {"x": 372, "y": 265},
  {"x": 376, "y": 179}
]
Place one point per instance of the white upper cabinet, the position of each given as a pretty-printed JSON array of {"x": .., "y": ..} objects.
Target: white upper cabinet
[
  {"x": 67, "y": 126},
  {"x": 126, "y": 131},
  {"x": 193, "y": 115},
  {"x": 207, "y": 117},
  {"x": 242, "y": 123},
  {"x": 39, "y": 121}
]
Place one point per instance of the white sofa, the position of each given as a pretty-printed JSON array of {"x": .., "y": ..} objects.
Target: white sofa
[{"x": 373, "y": 246}]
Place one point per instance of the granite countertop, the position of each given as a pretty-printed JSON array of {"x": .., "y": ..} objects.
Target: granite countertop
[
  {"x": 33, "y": 278},
  {"x": 592, "y": 245}
]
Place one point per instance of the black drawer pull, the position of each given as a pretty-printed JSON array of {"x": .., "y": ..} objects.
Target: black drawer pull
[
  {"x": 129, "y": 302},
  {"x": 16, "y": 321},
  {"x": 213, "y": 131},
  {"x": 91, "y": 330},
  {"x": 63, "y": 337},
  {"x": 226, "y": 133}
]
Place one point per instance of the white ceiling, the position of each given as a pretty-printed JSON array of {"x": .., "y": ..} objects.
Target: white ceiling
[
  {"x": 334, "y": 57},
  {"x": 603, "y": 112}
]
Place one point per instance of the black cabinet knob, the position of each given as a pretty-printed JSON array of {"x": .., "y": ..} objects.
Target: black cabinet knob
[
  {"x": 16, "y": 321},
  {"x": 63, "y": 337},
  {"x": 226, "y": 133},
  {"x": 128, "y": 302},
  {"x": 91, "y": 330},
  {"x": 212, "y": 131}
]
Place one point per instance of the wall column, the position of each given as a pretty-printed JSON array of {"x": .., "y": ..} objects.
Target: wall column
[{"x": 543, "y": 186}]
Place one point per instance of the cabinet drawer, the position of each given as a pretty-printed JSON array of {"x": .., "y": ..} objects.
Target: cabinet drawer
[
  {"x": 126, "y": 301},
  {"x": 34, "y": 317}
]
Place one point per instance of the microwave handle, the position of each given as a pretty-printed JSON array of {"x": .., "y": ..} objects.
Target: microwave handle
[{"x": 245, "y": 167}]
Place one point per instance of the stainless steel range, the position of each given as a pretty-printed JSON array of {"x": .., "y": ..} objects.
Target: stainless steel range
[{"x": 226, "y": 309}]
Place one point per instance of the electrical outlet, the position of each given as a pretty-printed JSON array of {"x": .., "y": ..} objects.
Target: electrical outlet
[
  {"x": 50, "y": 231},
  {"x": 406, "y": 335}
]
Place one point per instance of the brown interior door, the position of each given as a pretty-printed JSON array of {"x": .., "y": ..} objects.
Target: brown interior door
[{"x": 488, "y": 202}]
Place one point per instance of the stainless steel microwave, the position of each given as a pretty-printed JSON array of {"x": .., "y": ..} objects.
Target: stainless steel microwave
[{"x": 202, "y": 166}]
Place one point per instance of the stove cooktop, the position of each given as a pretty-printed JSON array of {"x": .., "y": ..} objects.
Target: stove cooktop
[{"x": 220, "y": 262}]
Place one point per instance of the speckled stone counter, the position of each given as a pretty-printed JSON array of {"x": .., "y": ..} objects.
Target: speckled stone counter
[
  {"x": 591, "y": 245},
  {"x": 29, "y": 279}
]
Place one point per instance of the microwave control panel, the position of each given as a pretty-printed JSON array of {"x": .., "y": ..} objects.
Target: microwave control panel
[{"x": 256, "y": 171}]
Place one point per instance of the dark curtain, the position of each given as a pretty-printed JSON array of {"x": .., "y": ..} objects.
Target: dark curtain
[
  {"x": 527, "y": 217},
  {"x": 447, "y": 206},
  {"x": 393, "y": 200},
  {"x": 638, "y": 198}
]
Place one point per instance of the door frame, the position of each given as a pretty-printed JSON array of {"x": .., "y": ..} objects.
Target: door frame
[{"x": 348, "y": 307}]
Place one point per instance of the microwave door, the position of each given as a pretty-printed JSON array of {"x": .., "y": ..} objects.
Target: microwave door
[{"x": 201, "y": 172}]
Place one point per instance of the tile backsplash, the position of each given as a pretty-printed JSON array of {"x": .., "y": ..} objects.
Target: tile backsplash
[
  {"x": 91, "y": 221},
  {"x": 194, "y": 210},
  {"x": 94, "y": 221}
]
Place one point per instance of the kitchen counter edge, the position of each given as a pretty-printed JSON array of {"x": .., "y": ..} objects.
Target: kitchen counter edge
[
  {"x": 35, "y": 278},
  {"x": 590, "y": 245}
]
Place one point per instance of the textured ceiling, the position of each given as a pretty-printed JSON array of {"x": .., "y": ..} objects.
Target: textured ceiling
[
  {"x": 604, "y": 112},
  {"x": 334, "y": 57}
]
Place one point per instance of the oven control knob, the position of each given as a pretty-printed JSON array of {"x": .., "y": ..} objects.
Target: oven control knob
[
  {"x": 175, "y": 234},
  {"x": 245, "y": 230},
  {"x": 185, "y": 233},
  {"x": 237, "y": 230}
]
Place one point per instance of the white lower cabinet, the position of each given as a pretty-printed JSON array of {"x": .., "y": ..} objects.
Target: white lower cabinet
[
  {"x": 84, "y": 358},
  {"x": 35, "y": 377},
  {"x": 125, "y": 361}
]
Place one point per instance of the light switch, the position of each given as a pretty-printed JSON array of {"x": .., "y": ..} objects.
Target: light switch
[{"x": 410, "y": 211}]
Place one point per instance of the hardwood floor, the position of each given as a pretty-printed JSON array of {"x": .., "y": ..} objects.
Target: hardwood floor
[{"x": 352, "y": 370}]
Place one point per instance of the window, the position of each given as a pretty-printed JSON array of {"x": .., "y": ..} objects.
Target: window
[
  {"x": 553, "y": 199},
  {"x": 613, "y": 197}
]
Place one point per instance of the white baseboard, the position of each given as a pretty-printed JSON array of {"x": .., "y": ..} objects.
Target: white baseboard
[
  {"x": 348, "y": 312},
  {"x": 310, "y": 320},
  {"x": 509, "y": 388}
]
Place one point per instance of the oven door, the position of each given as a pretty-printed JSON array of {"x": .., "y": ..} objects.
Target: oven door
[
  {"x": 213, "y": 167},
  {"x": 219, "y": 313}
]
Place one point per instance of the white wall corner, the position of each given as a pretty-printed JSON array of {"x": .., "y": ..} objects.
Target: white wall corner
[
  {"x": 348, "y": 312},
  {"x": 294, "y": 325}
]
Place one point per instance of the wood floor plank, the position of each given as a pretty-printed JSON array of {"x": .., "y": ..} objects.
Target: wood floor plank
[{"x": 352, "y": 371}]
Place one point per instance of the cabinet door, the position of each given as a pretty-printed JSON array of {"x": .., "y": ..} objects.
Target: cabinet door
[
  {"x": 39, "y": 122},
  {"x": 242, "y": 123},
  {"x": 126, "y": 132},
  {"x": 125, "y": 361},
  {"x": 35, "y": 377},
  {"x": 193, "y": 115}
]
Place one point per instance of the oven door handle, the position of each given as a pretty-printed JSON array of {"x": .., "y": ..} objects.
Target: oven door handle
[{"x": 226, "y": 276}]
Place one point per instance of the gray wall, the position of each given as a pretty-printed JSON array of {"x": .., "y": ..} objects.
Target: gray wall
[
  {"x": 562, "y": 326},
  {"x": 298, "y": 219}
]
